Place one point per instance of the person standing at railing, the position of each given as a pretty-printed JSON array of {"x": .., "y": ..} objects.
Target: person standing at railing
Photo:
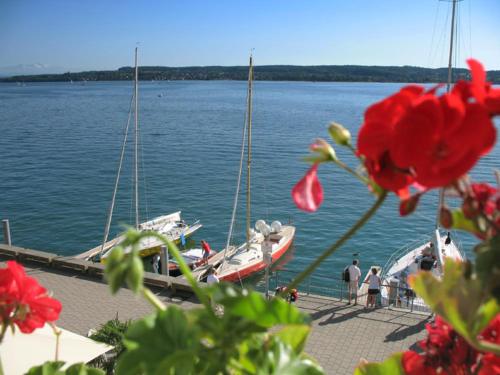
[
  {"x": 354, "y": 275},
  {"x": 374, "y": 284}
]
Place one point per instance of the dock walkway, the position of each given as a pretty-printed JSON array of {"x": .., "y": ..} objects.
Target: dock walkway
[{"x": 341, "y": 334}]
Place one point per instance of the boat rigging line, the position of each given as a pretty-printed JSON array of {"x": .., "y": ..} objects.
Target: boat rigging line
[
  {"x": 117, "y": 179},
  {"x": 136, "y": 166},
  {"x": 238, "y": 184},
  {"x": 249, "y": 149}
]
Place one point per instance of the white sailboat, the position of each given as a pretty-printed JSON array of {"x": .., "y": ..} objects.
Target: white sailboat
[
  {"x": 264, "y": 245},
  {"x": 172, "y": 226},
  {"x": 428, "y": 254}
]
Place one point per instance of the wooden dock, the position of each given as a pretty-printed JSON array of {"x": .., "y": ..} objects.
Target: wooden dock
[
  {"x": 84, "y": 267},
  {"x": 96, "y": 250}
]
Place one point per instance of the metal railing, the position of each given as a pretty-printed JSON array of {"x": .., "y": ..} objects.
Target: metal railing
[
  {"x": 393, "y": 297},
  {"x": 402, "y": 251},
  {"x": 415, "y": 244}
]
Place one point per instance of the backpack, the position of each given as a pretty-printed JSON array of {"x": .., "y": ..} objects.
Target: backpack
[{"x": 345, "y": 275}]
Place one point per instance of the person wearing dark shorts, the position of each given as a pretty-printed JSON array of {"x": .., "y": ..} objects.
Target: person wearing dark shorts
[
  {"x": 206, "y": 251},
  {"x": 374, "y": 284}
]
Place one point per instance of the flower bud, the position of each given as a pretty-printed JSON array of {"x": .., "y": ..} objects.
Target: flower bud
[
  {"x": 116, "y": 276},
  {"x": 470, "y": 208},
  {"x": 135, "y": 274},
  {"x": 339, "y": 134},
  {"x": 115, "y": 257},
  {"x": 446, "y": 217},
  {"x": 407, "y": 206},
  {"x": 324, "y": 151}
]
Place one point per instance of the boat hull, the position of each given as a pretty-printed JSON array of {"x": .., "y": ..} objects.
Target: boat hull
[
  {"x": 170, "y": 226},
  {"x": 243, "y": 271}
]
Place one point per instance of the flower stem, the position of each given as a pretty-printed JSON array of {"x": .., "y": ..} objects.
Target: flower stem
[
  {"x": 350, "y": 147},
  {"x": 5, "y": 325},
  {"x": 152, "y": 299},
  {"x": 352, "y": 171},
  {"x": 487, "y": 346},
  {"x": 368, "y": 214},
  {"x": 57, "y": 332}
]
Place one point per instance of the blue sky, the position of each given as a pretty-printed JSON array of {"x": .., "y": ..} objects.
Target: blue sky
[{"x": 90, "y": 34}]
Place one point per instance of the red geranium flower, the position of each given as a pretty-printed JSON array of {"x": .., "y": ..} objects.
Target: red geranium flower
[
  {"x": 490, "y": 361},
  {"x": 490, "y": 365},
  {"x": 492, "y": 332},
  {"x": 482, "y": 90},
  {"x": 308, "y": 193},
  {"x": 417, "y": 136},
  {"x": 441, "y": 138},
  {"x": 375, "y": 138},
  {"x": 446, "y": 352},
  {"x": 23, "y": 301},
  {"x": 415, "y": 364}
]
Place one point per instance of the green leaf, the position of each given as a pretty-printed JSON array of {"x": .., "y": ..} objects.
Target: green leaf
[
  {"x": 391, "y": 365},
  {"x": 459, "y": 298},
  {"x": 294, "y": 335},
  {"x": 156, "y": 341},
  {"x": 488, "y": 265},
  {"x": 54, "y": 368},
  {"x": 460, "y": 221},
  {"x": 182, "y": 361},
  {"x": 48, "y": 368},
  {"x": 82, "y": 369},
  {"x": 269, "y": 355},
  {"x": 254, "y": 307}
]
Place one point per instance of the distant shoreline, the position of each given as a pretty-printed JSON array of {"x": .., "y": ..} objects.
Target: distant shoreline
[{"x": 317, "y": 73}]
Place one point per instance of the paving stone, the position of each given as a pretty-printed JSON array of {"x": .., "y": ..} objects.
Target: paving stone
[{"x": 341, "y": 334}]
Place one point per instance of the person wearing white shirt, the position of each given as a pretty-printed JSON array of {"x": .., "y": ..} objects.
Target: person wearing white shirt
[
  {"x": 373, "y": 287},
  {"x": 212, "y": 277},
  {"x": 354, "y": 275}
]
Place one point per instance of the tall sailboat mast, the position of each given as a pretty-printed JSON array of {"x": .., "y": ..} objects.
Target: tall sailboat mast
[
  {"x": 136, "y": 163},
  {"x": 448, "y": 87},
  {"x": 452, "y": 33},
  {"x": 249, "y": 145}
]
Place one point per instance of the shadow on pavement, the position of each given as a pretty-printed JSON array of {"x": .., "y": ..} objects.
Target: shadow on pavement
[
  {"x": 402, "y": 332},
  {"x": 339, "y": 314}
]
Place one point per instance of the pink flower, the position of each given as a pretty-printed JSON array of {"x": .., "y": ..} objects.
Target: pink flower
[{"x": 308, "y": 193}]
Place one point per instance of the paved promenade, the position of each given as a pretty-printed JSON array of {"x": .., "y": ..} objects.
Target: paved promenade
[{"x": 341, "y": 334}]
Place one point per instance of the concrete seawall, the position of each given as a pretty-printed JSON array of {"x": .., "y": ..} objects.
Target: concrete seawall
[{"x": 83, "y": 267}]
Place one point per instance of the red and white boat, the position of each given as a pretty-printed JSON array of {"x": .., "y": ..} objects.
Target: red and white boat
[
  {"x": 264, "y": 245},
  {"x": 248, "y": 258},
  {"x": 245, "y": 261}
]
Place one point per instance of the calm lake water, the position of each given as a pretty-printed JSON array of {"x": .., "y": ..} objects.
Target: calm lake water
[{"x": 60, "y": 144}]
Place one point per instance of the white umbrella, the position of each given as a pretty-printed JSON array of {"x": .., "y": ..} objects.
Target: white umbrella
[{"x": 19, "y": 352}]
